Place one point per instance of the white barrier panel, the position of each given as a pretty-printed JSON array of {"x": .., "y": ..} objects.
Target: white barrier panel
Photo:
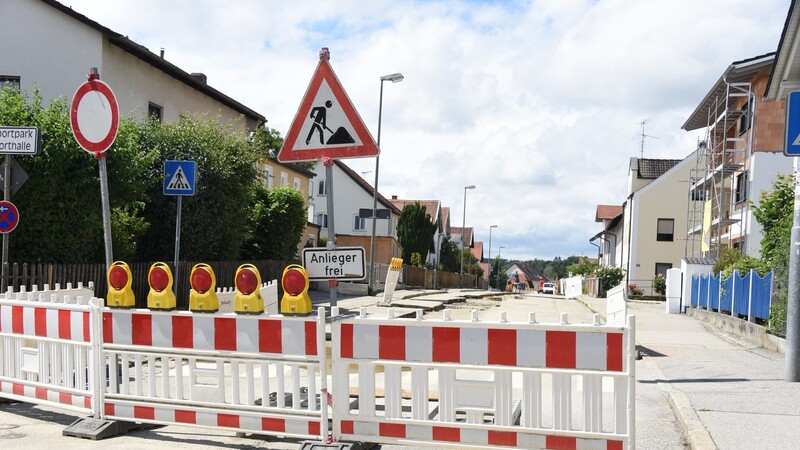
[
  {"x": 269, "y": 292},
  {"x": 46, "y": 352},
  {"x": 256, "y": 374},
  {"x": 573, "y": 287},
  {"x": 616, "y": 306},
  {"x": 69, "y": 295},
  {"x": 471, "y": 384}
]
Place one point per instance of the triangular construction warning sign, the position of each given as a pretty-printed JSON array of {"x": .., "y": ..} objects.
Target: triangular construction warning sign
[
  {"x": 326, "y": 125},
  {"x": 178, "y": 182}
]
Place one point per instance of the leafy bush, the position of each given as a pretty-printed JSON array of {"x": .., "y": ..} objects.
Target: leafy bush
[
  {"x": 634, "y": 290},
  {"x": 609, "y": 277},
  {"x": 660, "y": 284}
]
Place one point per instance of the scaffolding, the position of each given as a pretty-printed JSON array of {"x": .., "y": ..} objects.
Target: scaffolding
[{"x": 720, "y": 160}]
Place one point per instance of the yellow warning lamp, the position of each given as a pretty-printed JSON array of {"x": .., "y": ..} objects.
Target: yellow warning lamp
[
  {"x": 120, "y": 294},
  {"x": 295, "y": 299},
  {"x": 160, "y": 295},
  {"x": 248, "y": 290},
  {"x": 202, "y": 297}
]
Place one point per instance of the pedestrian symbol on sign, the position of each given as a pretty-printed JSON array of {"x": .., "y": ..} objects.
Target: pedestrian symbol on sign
[{"x": 178, "y": 181}]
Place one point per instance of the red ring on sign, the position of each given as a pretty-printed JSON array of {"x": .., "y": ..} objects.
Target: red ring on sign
[
  {"x": 105, "y": 143},
  {"x": 14, "y": 209}
]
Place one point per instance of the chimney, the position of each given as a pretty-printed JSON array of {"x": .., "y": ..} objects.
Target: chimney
[
  {"x": 201, "y": 77},
  {"x": 162, "y": 52},
  {"x": 394, "y": 197}
]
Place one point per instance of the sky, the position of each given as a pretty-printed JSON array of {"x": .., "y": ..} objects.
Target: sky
[{"x": 539, "y": 104}]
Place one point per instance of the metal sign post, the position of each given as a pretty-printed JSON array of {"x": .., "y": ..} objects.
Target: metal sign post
[
  {"x": 180, "y": 178},
  {"x": 6, "y": 197},
  {"x": 101, "y": 160},
  {"x": 328, "y": 163}
]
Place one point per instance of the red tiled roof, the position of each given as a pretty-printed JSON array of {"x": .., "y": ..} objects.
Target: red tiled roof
[
  {"x": 445, "y": 218},
  {"x": 467, "y": 232},
  {"x": 607, "y": 212},
  {"x": 477, "y": 251},
  {"x": 431, "y": 206}
]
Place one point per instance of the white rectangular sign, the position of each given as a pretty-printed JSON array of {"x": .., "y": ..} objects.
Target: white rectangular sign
[
  {"x": 19, "y": 141},
  {"x": 343, "y": 263}
]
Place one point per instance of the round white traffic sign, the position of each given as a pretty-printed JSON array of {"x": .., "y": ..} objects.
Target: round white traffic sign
[{"x": 94, "y": 116}]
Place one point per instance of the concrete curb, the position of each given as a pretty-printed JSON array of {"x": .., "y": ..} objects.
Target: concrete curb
[{"x": 696, "y": 434}]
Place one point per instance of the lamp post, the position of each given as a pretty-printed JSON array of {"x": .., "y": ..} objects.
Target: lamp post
[
  {"x": 394, "y": 78},
  {"x": 489, "y": 258},
  {"x": 464, "y": 231}
]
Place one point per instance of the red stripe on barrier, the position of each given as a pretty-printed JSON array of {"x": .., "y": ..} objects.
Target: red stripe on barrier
[
  {"x": 270, "y": 336},
  {"x": 614, "y": 353},
  {"x": 18, "y": 389},
  {"x": 142, "y": 329},
  {"x": 311, "y": 338},
  {"x": 392, "y": 342},
  {"x": 502, "y": 347},
  {"x": 446, "y": 344},
  {"x": 560, "y": 349},
  {"x": 64, "y": 325},
  {"x": 185, "y": 416},
  {"x": 182, "y": 332},
  {"x": 109, "y": 409},
  {"x": 17, "y": 324},
  {"x": 347, "y": 343},
  {"x": 40, "y": 321},
  {"x": 446, "y": 434},
  {"x": 228, "y": 420},
  {"x": 87, "y": 402},
  {"x": 313, "y": 428},
  {"x": 614, "y": 445},
  {"x": 41, "y": 393},
  {"x": 108, "y": 327},
  {"x": 502, "y": 438},
  {"x": 562, "y": 443},
  {"x": 347, "y": 425},
  {"x": 65, "y": 398},
  {"x": 397, "y": 430},
  {"x": 144, "y": 412},
  {"x": 87, "y": 329},
  {"x": 268, "y": 424},
  {"x": 224, "y": 334}
]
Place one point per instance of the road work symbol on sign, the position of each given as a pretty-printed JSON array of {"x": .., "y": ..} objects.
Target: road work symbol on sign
[{"x": 327, "y": 124}]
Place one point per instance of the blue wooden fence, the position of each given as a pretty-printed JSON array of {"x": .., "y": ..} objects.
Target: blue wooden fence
[{"x": 747, "y": 297}]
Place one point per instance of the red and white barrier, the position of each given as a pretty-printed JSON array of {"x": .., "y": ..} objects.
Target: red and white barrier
[
  {"x": 256, "y": 374},
  {"x": 478, "y": 384}
]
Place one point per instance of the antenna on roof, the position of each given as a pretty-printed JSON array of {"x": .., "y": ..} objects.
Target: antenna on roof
[{"x": 641, "y": 151}]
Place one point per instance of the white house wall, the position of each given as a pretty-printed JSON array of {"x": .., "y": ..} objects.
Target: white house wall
[
  {"x": 764, "y": 167},
  {"x": 46, "y": 48}
]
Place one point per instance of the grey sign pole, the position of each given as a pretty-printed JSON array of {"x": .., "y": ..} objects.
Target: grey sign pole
[
  {"x": 331, "y": 231},
  {"x": 6, "y": 197},
  {"x": 101, "y": 159},
  {"x": 793, "y": 297},
  {"x": 177, "y": 245}
]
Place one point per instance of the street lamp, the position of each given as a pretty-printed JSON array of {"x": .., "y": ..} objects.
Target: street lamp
[
  {"x": 489, "y": 258},
  {"x": 464, "y": 230},
  {"x": 394, "y": 78}
]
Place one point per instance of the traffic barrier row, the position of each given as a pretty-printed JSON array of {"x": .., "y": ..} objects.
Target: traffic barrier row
[{"x": 442, "y": 383}]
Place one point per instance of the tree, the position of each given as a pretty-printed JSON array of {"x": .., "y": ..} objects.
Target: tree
[
  {"x": 60, "y": 203},
  {"x": 212, "y": 224},
  {"x": 471, "y": 265},
  {"x": 415, "y": 230},
  {"x": 277, "y": 222},
  {"x": 448, "y": 255},
  {"x": 584, "y": 267}
]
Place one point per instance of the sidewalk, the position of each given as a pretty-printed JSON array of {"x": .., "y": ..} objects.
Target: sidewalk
[{"x": 725, "y": 392}]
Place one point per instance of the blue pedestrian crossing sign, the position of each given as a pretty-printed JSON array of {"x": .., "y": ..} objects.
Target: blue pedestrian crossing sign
[
  {"x": 180, "y": 177},
  {"x": 792, "y": 140}
]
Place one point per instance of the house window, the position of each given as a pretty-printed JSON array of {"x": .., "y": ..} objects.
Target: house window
[
  {"x": 661, "y": 269},
  {"x": 665, "y": 230},
  {"x": 268, "y": 176},
  {"x": 310, "y": 191},
  {"x": 699, "y": 195},
  {"x": 744, "y": 121},
  {"x": 7, "y": 81},
  {"x": 312, "y": 240},
  {"x": 359, "y": 224},
  {"x": 296, "y": 183},
  {"x": 155, "y": 111},
  {"x": 321, "y": 220},
  {"x": 322, "y": 189},
  {"x": 284, "y": 179},
  {"x": 741, "y": 187}
]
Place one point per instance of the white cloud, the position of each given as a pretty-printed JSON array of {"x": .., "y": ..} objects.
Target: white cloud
[{"x": 537, "y": 103}]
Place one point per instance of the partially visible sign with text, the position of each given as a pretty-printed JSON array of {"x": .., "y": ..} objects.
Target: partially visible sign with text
[
  {"x": 343, "y": 263},
  {"x": 20, "y": 141}
]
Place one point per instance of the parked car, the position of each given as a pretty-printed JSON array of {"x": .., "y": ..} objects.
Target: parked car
[{"x": 549, "y": 288}]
